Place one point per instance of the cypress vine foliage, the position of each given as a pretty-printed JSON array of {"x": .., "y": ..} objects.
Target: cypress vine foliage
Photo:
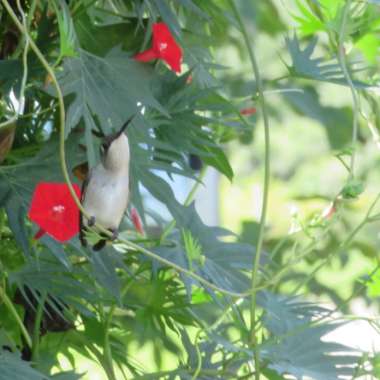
[{"x": 171, "y": 297}]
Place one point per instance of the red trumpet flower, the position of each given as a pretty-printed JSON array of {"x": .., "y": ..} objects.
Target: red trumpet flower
[
  {"x": 248, "y": 111},
  {"x": 163, "y": 47},
  {"x": 54, "y": 210},
  {"x": 135, "y": 217}
]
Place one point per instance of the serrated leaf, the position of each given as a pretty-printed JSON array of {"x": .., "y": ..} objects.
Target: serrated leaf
[
  {"x": 10, "y": 74},
  {"x": 12, "y": 367},
  {"x": 104, "y": 268},
  {"x": 297, "y": 347},
  {"x": 67, "y": 36},
  {"x": 169, "y": 17},
  {"x": 304, "y": 66},
  {"x": 100, "y": 39},
  {"x": 224, "y": 262},
  {"x": 70, "y": 287},
  {"x": 66, "y": 376},
  {"x": 189, "y": 4},
  {"x": 218, "y": 160},
  {"x": 192, "y": 248},
  {"x": 57, "y": 250},
  {"x": 107, "y": 91},
  {"x": 352, "y": 189}
]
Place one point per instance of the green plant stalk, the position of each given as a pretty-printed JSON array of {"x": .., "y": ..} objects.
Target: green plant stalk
[
  {"x": 107, "y": 347},
  {"x": 37, "y": 328},
  {"x": 92, "y": 348},
  {"x": 187, "y": 272},
  {"x": 9, "y": 305},
  {"x": 198, "y": 369},
  {"x": 355, "y": 98},
  {"x": 208, "y": 329},
  {"x": 260, "y": 239}
]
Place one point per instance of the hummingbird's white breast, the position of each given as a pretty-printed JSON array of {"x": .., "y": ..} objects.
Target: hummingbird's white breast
[{"x": 106, "y": 196}]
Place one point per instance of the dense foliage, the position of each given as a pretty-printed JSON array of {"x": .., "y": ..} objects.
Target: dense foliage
[{"x": 183, "y": 300}]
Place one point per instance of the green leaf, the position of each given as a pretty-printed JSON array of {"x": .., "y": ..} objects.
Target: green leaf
[
  {"x": 189, "y": 4},
  {"x": 224, "y": 262},
  {"x": 104, "y": 267},
  {"x": 309, "y": 22},
  {"x": 169, "y": 17},
  {"x": 10, "y": 74},
  {"x": 66, "y": 376},
  {"x": 100, "y": 39},
  {"x": 296, "y": 347},
  {"x": 16, "y": 213},
  {"x": 304, "y": 66},
  {"x": 12, "y": 367},
  {"x": 67, "y": 36},
  {"x": 69, "y": 288},
  {"x": 107, "y": 91},
  {"x": 352, "y": 189},
  {"x": 192, "y": 248},
  {"x": 218, "y": 160},
  {"x": 57, "y": 250}
]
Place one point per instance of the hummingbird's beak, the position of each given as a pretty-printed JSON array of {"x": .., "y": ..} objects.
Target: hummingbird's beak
[
  {"x": 107, "y": 140},
  {"x": 125, "y": 126}
]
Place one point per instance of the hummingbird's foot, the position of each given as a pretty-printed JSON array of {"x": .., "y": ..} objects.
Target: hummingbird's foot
[
  {"x": 91, "y": 221},
  {"x": 115, "y": 233}
]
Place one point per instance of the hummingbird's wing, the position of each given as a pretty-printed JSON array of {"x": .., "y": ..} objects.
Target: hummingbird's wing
[
  {"x": 81, "y": 217},
  {"x": 82, "y": 227}
]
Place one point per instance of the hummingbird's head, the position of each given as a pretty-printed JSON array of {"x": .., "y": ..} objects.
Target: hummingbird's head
[{"x": 115, "y": 150}]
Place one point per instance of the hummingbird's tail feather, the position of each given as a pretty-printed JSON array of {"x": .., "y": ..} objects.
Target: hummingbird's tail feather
[{"x": 99, "y": 245}]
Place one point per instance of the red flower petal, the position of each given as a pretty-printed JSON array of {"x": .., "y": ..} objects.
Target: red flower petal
[
  {"x": 55, "y": 211},
  {"x": 166, "y": 47},
  {"x": 135, "y": 217},
  {"x": 146, "y": 56},
  {"x": 329, "y": 211},
  {"x": 248, "y": 111}
]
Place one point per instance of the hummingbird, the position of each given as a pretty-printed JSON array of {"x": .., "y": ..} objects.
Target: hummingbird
[{"x": 105, "y": 191}]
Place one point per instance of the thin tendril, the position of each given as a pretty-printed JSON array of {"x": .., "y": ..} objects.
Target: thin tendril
[{"x": 355, "y": 99}]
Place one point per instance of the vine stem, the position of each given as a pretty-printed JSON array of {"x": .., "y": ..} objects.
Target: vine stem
[
  {"x": 107, "y": 326},
  {"x": 37, "y": 328},
  {"x": 260, "y": 239},
  {"x": 21, "y": 105},
  {"x": 9, "y": 305},
  {"x": 65, "y": 172},
  {"x": 208, "y": 330},
  {"x": 355, "y": 98}
]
